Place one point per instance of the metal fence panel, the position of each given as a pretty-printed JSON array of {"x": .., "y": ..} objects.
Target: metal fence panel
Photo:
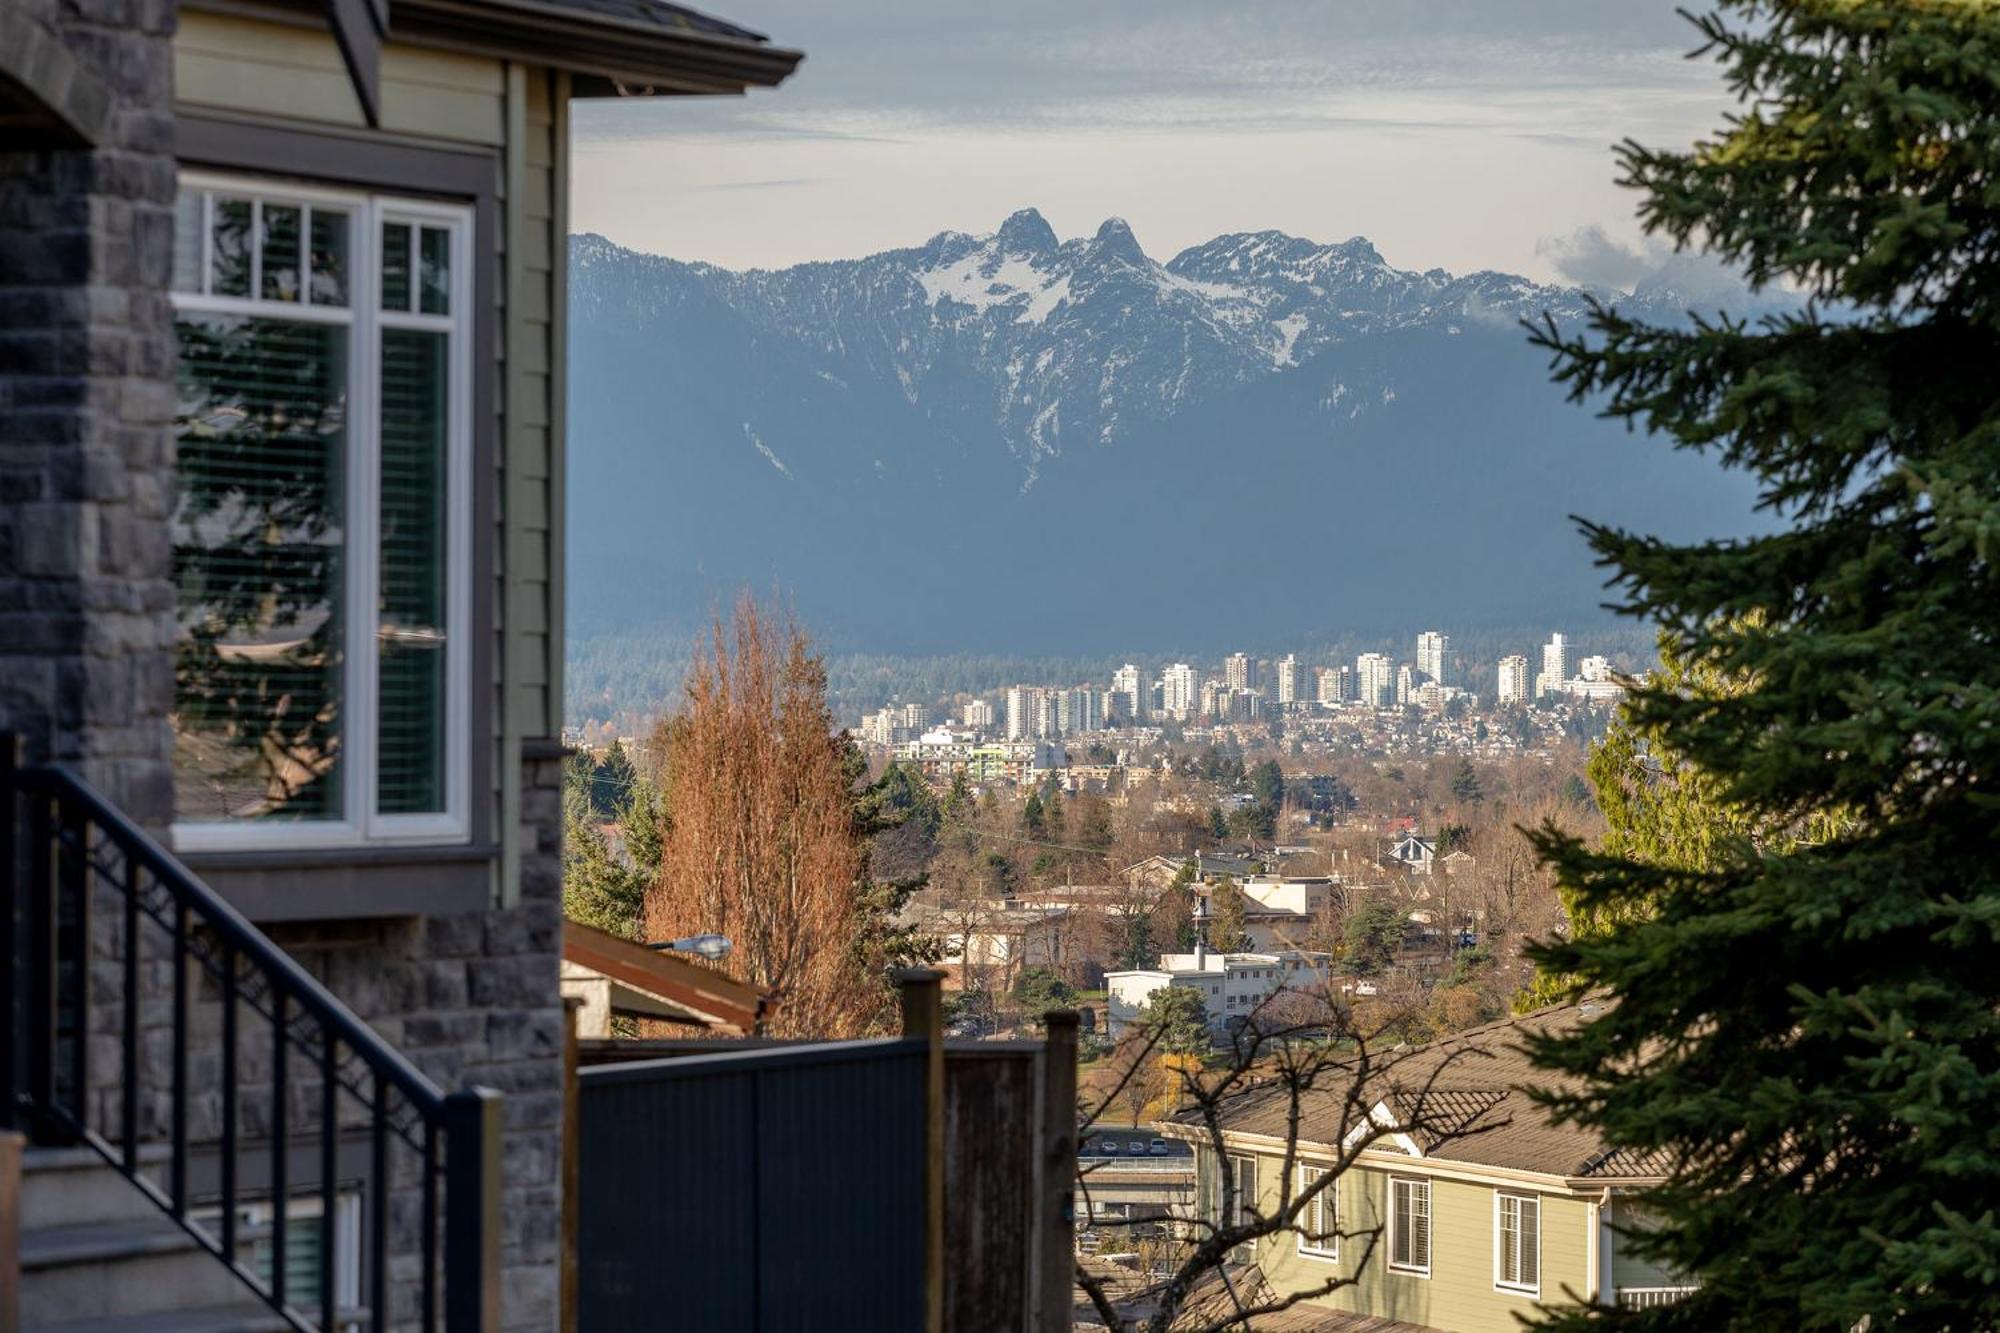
[{"x": 761, "y": 1191}]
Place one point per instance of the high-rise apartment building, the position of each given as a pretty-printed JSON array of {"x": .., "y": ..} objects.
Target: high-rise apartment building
[
  {"x": 1406, "y": 684},
  {"x": 1179, "y": 691},
  {"x": 1334, "y": 685},
  {"x": 1128, "y": 693},
  {"x": 1239, "y": 671},
  {"x": 1595, "y": 669},
  {"x": 979, "y": 713},
  {"x": 1288, "y": 679},
  {"x": 1374, "y": 677},
  {"x": 1022, "y": 701},
  {"x": 1555, "y": 666},
  {"x": 1433, "y": 655},
  {"x": 914, "y": 717},
  {"x": 1513, "y": 681},
  {"x": 1078, "y": 711}
]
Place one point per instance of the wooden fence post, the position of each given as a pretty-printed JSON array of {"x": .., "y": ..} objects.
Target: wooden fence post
[
  {"x": 923, "y": 1017},
  {"x": 1055, "y": 1195},
  {"x": 10, "y": 1232}
]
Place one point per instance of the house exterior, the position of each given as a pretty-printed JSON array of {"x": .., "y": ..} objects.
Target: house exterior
[
  {"x": 1414, "y": 853},
  {"x": 281, "y": 489},
  {"x": 1486, "y": 1207},
  {"x": 1231, "y": 985}
]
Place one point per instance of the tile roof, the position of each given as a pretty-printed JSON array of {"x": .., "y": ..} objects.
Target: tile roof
[{"x": 1466, "y": 1098}]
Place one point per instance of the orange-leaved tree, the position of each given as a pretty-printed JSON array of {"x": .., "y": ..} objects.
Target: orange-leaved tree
[{"x": 762, "y": 844}]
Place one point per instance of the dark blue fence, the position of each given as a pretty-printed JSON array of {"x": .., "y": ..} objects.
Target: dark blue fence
[{"x": 756, "y": 1191}]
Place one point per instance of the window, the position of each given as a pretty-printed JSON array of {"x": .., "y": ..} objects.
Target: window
[
  {"x": 306, "y": 1246},
  {"x": 1410, "y": 1225},
  {"x": 1319, "y": 1235},
  {"x": 1245, "y": 1210},
  {"x": 1517, "y": 1242},
  {"x": 322, "y": 541}
]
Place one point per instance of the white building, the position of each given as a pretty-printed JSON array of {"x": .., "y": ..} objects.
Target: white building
[
  {"x": 1239, "y": 671},
  {"x": 1288, "y": 679},
  {"x": 1374, "y": 677},
  {"x": 979, "y": 713},
  {"x": 1335, "y": 685},
  {"x": 1594, "y": 668},
  {"x": 915, "y": 717},
  {"x": 1230, "y": 985},
  {"x": 1433, "y": 654},
  {"x": 1513, "y": 683},
  {"x": 1128, "y": 693},
  {"x": 1555, "y": 667},
  {"x": 1406, "y": 685},
  {"x": 1078, "y": 711},
  {"x": 1180, "y": 691}
]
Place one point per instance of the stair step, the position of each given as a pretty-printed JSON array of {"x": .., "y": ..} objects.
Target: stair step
[
  {"x": 72, "y": 1186},
  {"x": 221, "y": 1319},
  {"x": 103, "y": 1269}
]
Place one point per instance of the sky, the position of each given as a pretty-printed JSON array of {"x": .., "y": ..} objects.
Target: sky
[{"x": 1460, "y": 134}]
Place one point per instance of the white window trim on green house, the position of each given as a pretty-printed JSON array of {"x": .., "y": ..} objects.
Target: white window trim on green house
[
  {"x": 1523, "y": 1277},
  {"x": 359, "y": 813},
  {"x": 1319, "y": 1221},
  {"x": 1415, "y": 1187}
]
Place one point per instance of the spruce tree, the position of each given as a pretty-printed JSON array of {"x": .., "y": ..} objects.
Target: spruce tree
[{"x": 1807, "y": 1029}]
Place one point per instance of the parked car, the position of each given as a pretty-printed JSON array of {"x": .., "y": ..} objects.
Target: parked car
[
  {"x": 1138, "y": 1148},
  {"x": 1108, "y": 1145},
  {"x": 1159, "y": 1148}
]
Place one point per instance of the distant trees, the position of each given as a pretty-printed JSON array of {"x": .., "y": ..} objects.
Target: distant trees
[{"x": 1837, "y": 994}]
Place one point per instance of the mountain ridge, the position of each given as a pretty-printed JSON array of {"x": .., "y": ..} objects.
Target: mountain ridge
[{"x": 1034, "y": 387}]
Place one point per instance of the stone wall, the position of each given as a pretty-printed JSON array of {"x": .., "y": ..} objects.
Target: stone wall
[
  {"x": 474, "y": 999},
  {"x": 87, "y": 392}
]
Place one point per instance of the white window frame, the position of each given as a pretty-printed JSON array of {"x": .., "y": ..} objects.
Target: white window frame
[
  {"x": 1315, "y": 1221},
  {"x": 1430, "y": 1215},
  {"x": 360, "y": 823},
  {"x": 1500, "y": 1280}
]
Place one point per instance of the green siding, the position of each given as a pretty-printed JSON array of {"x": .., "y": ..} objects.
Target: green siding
[
  {"x": 294, "y": 76},
  {"x": 1460, "y": 1294}
]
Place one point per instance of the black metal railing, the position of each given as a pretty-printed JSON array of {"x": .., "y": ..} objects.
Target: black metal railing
[{"x": 240, "y": 1083}]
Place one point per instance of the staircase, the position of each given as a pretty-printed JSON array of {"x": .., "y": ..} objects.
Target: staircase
[
  {"x": 216, "y": 1143},
  {"x": 97, "y": 1256}
]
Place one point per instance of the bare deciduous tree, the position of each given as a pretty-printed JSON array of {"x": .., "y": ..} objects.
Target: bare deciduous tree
[
  {"x": 1326, "y": 1080},
  {"x": 762, "y": 845}
]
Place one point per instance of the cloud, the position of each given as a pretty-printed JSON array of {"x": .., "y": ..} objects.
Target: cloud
[{"x": 1590, "y": 257}]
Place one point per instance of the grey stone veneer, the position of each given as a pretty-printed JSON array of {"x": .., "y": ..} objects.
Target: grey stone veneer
[{"x": 87, "y": 395}]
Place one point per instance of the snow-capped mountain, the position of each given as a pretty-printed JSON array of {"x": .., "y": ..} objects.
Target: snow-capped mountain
[{"x": 996, "y": 398}]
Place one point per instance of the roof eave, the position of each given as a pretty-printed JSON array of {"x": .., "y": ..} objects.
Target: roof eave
[{"x": 615, "y": 57}]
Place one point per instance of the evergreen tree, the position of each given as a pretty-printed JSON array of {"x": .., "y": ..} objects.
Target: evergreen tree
[
  {"x": 1230, "y": 905},
  {"x": 1178, "y": 1017},
  {"x": 1808, "y": 1029}
]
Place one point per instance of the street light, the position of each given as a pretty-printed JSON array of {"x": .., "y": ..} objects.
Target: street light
[{"x": 710, "y": 946}]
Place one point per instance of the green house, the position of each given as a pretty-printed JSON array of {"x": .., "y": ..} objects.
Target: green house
[{"x": 1461, "y": 1205}]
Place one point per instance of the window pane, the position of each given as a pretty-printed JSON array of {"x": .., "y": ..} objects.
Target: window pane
[
  {"x": 329, "y": 258},
  {"x": 281, "y": 252},
  {"x": 187, "y": 241},
  {"x": 258, "y": 541},
  {"x": 412, "y": 625},
  {"x": 395, "y": 266},
  {"x": 436, "y": 271},
  {"x": 229, "y": 258},
  {"x": 1530, "y": 1223}
]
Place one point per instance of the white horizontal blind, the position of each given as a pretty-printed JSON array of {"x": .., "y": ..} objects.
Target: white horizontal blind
[
  {"x": 1410, "y": 1230},
  {"x": 1520, "y": 1255}
]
